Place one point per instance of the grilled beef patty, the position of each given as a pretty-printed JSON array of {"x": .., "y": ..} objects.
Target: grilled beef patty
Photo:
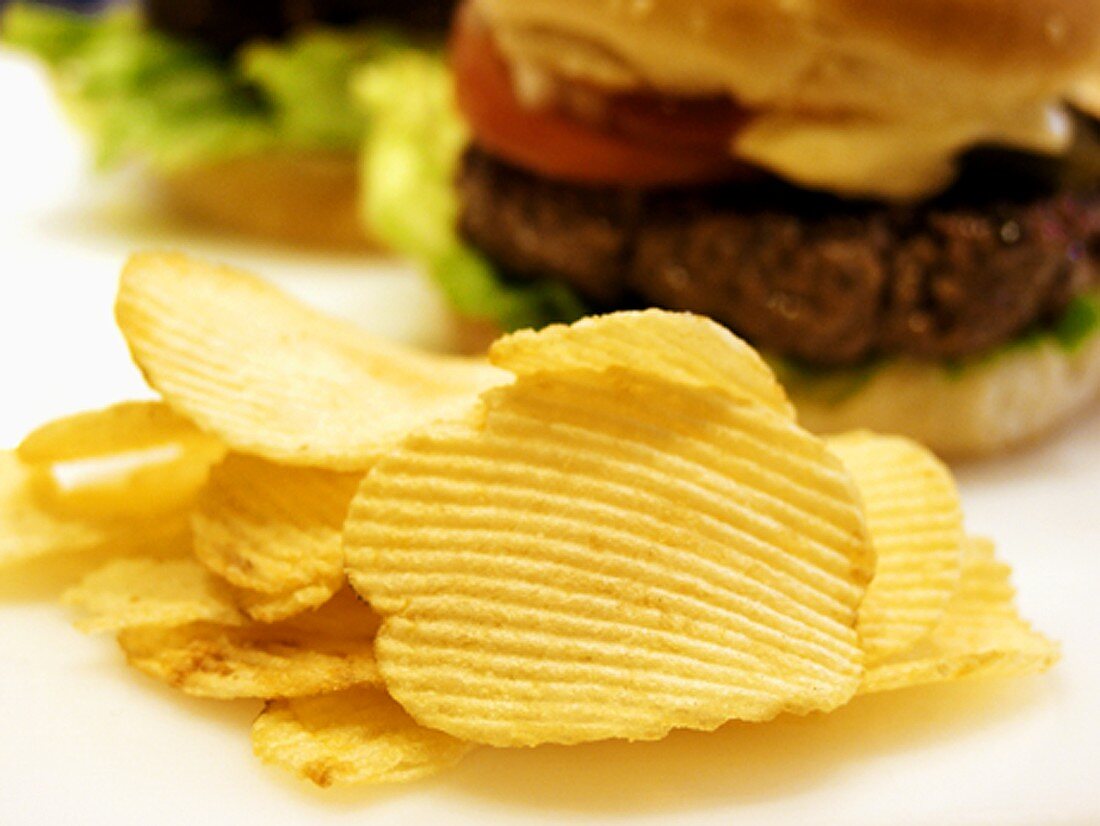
[
  {"x": 808, "y": 276},
  {"x": 224, "y": 26}
]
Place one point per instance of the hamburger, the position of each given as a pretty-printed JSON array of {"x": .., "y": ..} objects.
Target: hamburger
[
  {"x": 241, "y": 112},
  {"x": 897, "y": 202}
]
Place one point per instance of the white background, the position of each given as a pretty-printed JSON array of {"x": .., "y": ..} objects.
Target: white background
[{"x": 83, "y": 740}]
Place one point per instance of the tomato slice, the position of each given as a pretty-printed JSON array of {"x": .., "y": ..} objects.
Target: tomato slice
[{"x": 640, "y": 139}]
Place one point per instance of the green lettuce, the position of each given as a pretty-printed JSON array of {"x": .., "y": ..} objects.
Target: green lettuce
[
  {"x": 1078, "y": 323},
  {"x": 172, "y": 104},
  {"x": 411, "y": 152}
]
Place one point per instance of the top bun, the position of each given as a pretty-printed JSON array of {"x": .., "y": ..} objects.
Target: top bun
[
  {"x": 998, "y": 39},
  {"x": 770, "y": 51},
  {"x": 921, "y": 78}
]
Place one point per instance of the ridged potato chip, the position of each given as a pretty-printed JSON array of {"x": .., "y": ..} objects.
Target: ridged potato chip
[
  {"x": 31, "y": 525},
  {"x": 128, "y": 593},
  {"x": 916, "y": 524},
  {"x": 274, "y": 530},
  {"x": 277, "y": 607},
  {"x": 134, "y": 459},
  {"x": 273, "y": 378},
  {"x": 681, "y": 347},
  {"x": 358, "y": 736},
  {"x": 611, "y": 555},
  {"x": 329, "y": 649},
  {"x": 982, "y": 634}
]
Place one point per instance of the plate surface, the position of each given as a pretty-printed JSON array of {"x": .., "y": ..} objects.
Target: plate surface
[{"x": 86, "y": 741}]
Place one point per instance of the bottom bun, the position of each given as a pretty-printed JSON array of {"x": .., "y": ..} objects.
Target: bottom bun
[
  {"x": 305, "y": 198},
  {"x": 989, "y": 406}
]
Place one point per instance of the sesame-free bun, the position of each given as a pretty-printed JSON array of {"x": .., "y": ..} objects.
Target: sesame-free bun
[
  {"x": 995, "y": 38},
  {"x": 1012, "y": 398},
  {"x": 814, "y": 50},
  {"x": 303, "y": 198}
]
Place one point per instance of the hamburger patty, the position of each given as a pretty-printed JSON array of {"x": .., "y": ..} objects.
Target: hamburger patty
[
  {"x": 225, "y": 26},
  {"x": 807, "y": 276}
]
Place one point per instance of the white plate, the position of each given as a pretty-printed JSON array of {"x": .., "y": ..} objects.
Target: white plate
[{"x": 84, "y": 740}]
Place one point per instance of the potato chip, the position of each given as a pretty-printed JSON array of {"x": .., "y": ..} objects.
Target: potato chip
[
  {"x": 127, "y": 593},
  {"x": 274, "y": 530},
  {"x": 982, "y": 634},
  {"x": 134, "y": 459},
  {"x": 29, "y": 530},
  {"x": 611, "y": 555},
  {"x": 681, "y": 347},
  {"x": 276, "y": 607},
  {"x": 916, "y": 524},
  {"x": 31, "y": 526},
  {"x": 324, "y": 650},
  {"x": 273, "y": 378},
  {"x": 140, "y": 490},
  {"x": 358, "y": 736},
  {"x": 126, "y": 427}
]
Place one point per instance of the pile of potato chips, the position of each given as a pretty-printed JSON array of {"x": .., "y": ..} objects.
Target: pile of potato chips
[{"x": 606, "y": 530}]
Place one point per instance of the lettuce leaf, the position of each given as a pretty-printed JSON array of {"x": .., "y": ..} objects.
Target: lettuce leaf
[
  {"x": 307, "y": 82},
  {"x": 411, "y": 152},
  {"x": 1078, "y": 323},
  {"x": 172, "y": 104}
]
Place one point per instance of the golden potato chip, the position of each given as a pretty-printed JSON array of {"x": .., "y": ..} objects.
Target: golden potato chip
[
  {"x": 122, "y": 428},
  {"x": 611, "y": 555},
  {"x": 27, "y": 529},
  {"x": 916, "y": 525},
  {"x": 31, "y": 526},
  {"x": 273, "y": 378},
  {"x": 324, "y": 650},
  {"x": 356, "y": 736},
  {"x": 134, "y": 459},
  {"x": 276, "y": 607},
  {"x": 126, "y": 593},
  {"x": 272, "y": 529},
  {"x": 681, "y": 347},
  {"x": 982, "y": 634}
]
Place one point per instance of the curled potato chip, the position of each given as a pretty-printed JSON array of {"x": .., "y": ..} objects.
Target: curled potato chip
[
  {"x": 32, "y": 526},
  {"x": 276, "y": 607},
  {"x": 272, "y": 529},
  {"x": 358, "y": 736},
  {"x": 681, "y": 347},
  {"x": 611, "y": 555},
  {"x": 982, "y": 634},
  {"x": 134, "y": 459},
  {"x": 273, "y": 378},
  {"x": 324, "y": 650},
  {"x": 916, "y": 525},
  {"x": 122, "y": 428},
  {"x": 141, "y": 490},
  {"x": 127, "y": 593}
]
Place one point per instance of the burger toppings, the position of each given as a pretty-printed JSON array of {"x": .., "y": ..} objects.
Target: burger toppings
[
  {"x": 864, "y": 99},
  {"x": 817, "y": 180},
  {"x": 577, "y": 132},
  {"x": 808, "y": 276}
]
